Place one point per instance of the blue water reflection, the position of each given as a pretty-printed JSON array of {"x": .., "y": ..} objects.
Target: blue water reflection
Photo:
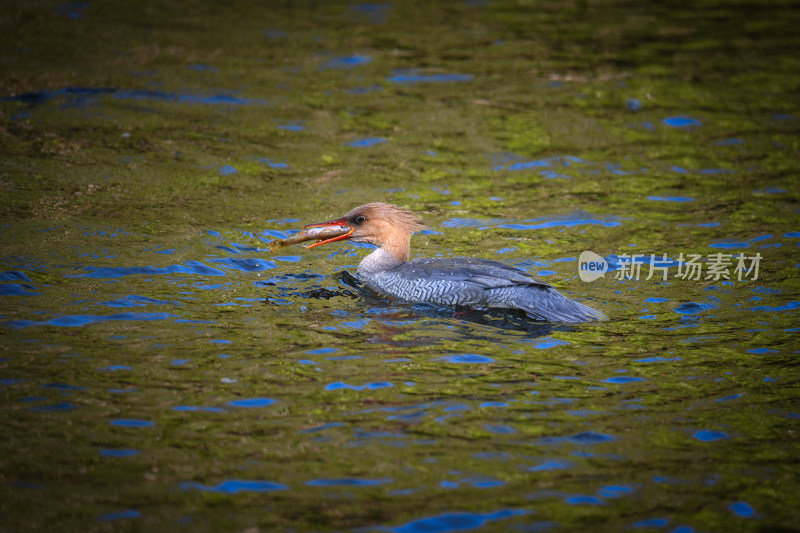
[
  {"x": 742, "y": 510},
  {"x": 109, "y": 452},
  {"x": 448, "y": 522},
  {"x": 72, "y": 321},
  {"x": 413, "y": 76},
  {"x": 348, "y": 482},
  {"x": 681, "y": 122},
  {"x": 132, "y": 423},
  {"x": 466, "y": 359},
  {"x": 190, "y": 267},
  {"x": 252, "y": 402},
  {"x": 367, "y": 386},
  {"x": 235, "y": 486},
  {"x": 707, "y": 435},
  {"x": 120, "y": 515}
]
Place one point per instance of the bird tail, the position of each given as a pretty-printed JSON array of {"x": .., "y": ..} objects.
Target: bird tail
[{"x": 546, "y": 303}]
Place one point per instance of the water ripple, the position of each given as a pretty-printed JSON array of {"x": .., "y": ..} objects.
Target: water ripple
[
  {"x": 368, "y": 386},
  {"x": 451, "y": 522},
  {"x": 190, "y": 267},
  {"x": 72, "y": 321},
  {"x": 234, "y": 486},
  {"x": 348, "y": 482}
]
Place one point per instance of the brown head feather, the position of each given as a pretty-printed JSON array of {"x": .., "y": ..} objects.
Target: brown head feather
[{"x": 385, "y": 225}]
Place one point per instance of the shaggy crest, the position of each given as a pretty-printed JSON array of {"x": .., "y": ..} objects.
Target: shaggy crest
[{"x": 402, "y": 218}]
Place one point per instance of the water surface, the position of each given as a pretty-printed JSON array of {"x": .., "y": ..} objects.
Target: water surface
[{"x": 161, "y": 370}]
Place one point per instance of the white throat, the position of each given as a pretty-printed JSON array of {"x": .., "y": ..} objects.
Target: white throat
[{"x": 377, "y": 261}]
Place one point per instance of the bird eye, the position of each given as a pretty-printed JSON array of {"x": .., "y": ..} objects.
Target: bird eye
[{"x": 360, "y": 219}]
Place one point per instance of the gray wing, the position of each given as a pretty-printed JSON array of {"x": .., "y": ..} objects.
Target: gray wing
[
  {"x": 544, "y": 303},
  {"x": 452, "y": 281},
  {"x": 484, "y": 283},
  {"x": 486, "y": 273}
]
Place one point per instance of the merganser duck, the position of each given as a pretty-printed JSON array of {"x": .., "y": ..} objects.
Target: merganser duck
[{"x": 454, "y": 281}]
